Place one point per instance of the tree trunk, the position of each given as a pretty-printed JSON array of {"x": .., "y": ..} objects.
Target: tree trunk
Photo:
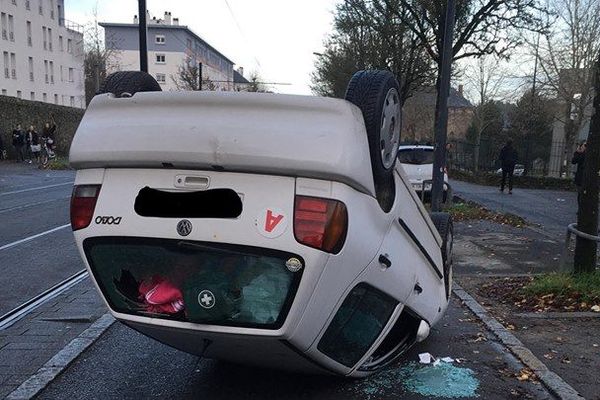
[{"x": 587, "y": 217}]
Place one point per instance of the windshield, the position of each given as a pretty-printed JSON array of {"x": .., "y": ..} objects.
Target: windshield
[{"x": 415, "y": 156}]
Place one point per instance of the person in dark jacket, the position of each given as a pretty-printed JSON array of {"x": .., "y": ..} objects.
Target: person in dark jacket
[
  {"x": 579, "y": 160},
  {"x": 18, "y": 142},
  {"x": 48, "y": 134},
  {"x": 508, "y": 160}
]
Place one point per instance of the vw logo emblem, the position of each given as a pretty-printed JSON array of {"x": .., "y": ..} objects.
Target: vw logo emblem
[
  {"x": 206, "y": 299},
  {"x": 184, "y": 227}
]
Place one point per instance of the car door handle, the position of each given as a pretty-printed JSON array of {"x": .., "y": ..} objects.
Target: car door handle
[{"x": 385, "y": 261}]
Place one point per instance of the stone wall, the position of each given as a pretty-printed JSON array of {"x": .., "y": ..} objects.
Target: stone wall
[{"x": 14, "y": 111}]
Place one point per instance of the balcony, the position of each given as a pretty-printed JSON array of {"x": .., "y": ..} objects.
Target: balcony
[{"x": 70, "y": 25}]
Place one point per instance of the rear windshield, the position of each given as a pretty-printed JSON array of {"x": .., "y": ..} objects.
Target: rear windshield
[
  {"x": 415, "y": 156},
  {"x": 196, "y": 282}
]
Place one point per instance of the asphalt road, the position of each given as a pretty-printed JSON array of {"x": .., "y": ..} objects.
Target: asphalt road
[
  {"x": 123, "y": 364},
  {"x": 552, "y": 210},
  {"x": 34, "y": 202}
]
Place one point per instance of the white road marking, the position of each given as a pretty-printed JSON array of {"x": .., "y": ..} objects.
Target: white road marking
[
  {"x": 27, "y": 239},
  {"x": 36, "y": 188}
]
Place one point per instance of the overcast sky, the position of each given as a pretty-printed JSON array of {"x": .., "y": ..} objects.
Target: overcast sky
[{"x": 277, "y": 38}]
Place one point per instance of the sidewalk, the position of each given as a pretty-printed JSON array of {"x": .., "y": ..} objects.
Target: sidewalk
[
  {"x": 35, "y": 339},
  {"x": 567, "y": 343}
]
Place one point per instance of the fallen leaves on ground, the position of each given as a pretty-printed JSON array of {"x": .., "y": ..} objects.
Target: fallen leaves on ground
[
  {"x": 466, "y": 211},
  {"x": 511, "y": 291}
]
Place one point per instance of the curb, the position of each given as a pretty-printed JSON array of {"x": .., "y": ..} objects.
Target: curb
[
  {"x": 552, "y": 381},
  {"x": 61, "y": 360}
]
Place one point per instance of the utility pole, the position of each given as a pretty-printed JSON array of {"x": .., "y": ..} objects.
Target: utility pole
[
  {"x": 441, "y": 120},
  {"x": 200, "y": 76},
  {"x": 587, "y": 216},
  {"x": 143, "y": 29}
]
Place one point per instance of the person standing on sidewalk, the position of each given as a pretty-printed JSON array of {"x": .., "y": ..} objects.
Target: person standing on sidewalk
[
  {"x": 579, "y": 160},
  {"x": 33, "y": 138},
  {"x": 508, "y": 159},
  {"x": 18, "y": 142}
]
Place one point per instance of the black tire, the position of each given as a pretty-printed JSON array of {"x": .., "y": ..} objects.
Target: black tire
[
  {"x": 130, "y": 82},
  {"x": 376, "y": 93},
  {"x": 443, "y": 223}
]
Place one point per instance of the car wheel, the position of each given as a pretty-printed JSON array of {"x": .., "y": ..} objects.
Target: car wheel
[
  {"x": 128, "y": 83},
  {"x": 443, "y": 223},
  {"x": 377, "y": 94}
]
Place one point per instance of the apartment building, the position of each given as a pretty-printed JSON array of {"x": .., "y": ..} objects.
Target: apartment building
[
  {"x": 170, "y": 45},
  {"x": 41, "y": 53}
]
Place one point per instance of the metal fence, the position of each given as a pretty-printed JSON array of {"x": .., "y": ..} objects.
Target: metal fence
[{"x": 551, "y": 158}]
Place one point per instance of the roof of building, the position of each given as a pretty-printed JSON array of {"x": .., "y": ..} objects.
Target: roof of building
[
  {"x": 165, "y": 26},
  {"x": 239, "y": 78},
  {"x": 427, "y": 97}
]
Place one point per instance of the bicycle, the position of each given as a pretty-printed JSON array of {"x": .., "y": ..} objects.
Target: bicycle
[{"x": 47, "y": 154}]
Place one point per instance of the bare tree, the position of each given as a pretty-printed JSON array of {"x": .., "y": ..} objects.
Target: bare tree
[
  {"x": 188, "y": 76},
  {"x": 486, "y": 78},
  {"x": 567, "y": 53},
  {"x": 367, "y": 36},
  {"x": 98, "y": 58}
]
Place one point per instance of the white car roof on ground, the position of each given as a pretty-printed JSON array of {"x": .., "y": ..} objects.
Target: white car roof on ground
[{"x": 273, "y": 134}]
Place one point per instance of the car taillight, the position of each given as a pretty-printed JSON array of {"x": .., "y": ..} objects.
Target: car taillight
[
  {"x": 83, "y": 203},
  {"x": 320, "y": 223}
]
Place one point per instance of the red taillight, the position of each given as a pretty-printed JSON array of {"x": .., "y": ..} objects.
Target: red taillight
[
  {"x": 83, "y": 203},
  {"x": 320, "y": 223}
]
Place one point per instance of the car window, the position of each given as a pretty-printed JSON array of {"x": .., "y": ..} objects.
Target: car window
[
  {"x": 357, "y": 324},
  {"x": 194, "y": 281},
  {"x": 415, "y": 156}
]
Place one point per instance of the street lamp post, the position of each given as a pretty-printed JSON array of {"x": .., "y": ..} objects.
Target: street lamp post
[{"x": 143, "y": 30}]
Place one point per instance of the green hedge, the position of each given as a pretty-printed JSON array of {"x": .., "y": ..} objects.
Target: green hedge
[{"x": 528, "y": 182}]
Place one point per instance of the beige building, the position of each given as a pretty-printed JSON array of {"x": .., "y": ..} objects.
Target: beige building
[
  {"x": 170, "y": 45},
  {"x": 419, "y": 115},
  {"x": 41, "y": 53}
]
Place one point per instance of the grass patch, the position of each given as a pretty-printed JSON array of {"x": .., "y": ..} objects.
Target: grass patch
[
  {"x": 580, "y": 288},
  {"x": 465, "y": 211},
  {"x": 59, "y": 163}
]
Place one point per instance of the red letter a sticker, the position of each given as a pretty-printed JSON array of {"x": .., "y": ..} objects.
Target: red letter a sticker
[{"x": 272, "y": 221}]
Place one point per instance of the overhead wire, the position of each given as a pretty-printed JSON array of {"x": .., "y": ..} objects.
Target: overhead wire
[{"x": 240, "y": 30}]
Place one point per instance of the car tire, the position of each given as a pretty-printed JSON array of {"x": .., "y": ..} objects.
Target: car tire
[
  {"x": 128, "y": 83},
  {"x": 377, "y": 94},
  {"x": 443, "y": 223}
]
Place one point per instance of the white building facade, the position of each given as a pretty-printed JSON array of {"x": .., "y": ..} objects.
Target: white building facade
[
  {"x": 170, "y": 46},
  {"x": 41, "y": 53}
]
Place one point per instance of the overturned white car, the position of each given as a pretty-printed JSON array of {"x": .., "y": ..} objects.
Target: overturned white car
[{"x": 259, "y": 228}]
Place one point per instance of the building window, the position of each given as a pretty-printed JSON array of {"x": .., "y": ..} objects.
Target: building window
[
  {"x": 6, "y": 66},
  {"x": 45, "y": 37},
  {"x": 161, "y": 78},
  {"x": 60, "y": 43},
  {"x": 41, "y": 7},
  {"x": 13, "y": 65},
  {"x": 14, "y": 2},
  {"x": 159, "y": 39},
  {"x": 61, "y": 74},
  {"x": 49, "y": 39},
  {"x": 69, "y": 46},
  {"x": 161, "y": 59},
  {"x": 11, "y": 28},
  {"x": 55, "y": 99},
  {"x": 4, "y": 92},
  {"x": 31, "y": 69},
  {"x": 32, "y": 96},
  {"x": 4, "y": 26},
  {"x": 44, "y": 97},
  {"x": 189, "y": 44},
  {"x": 70, "y": 74},
  {"x": 27, "y": 5},
  {"x": 19, "y": 94},
  {"x": 51, "y": 9},
  {"x": 72, "y": 100},
  {"x": 29, "y": 40},
  {"x": 52, "y": 72},
  {"x": 46, "y": 71}
]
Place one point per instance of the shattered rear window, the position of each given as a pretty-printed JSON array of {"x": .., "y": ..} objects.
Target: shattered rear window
[{"x": 207, "y": 283}]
